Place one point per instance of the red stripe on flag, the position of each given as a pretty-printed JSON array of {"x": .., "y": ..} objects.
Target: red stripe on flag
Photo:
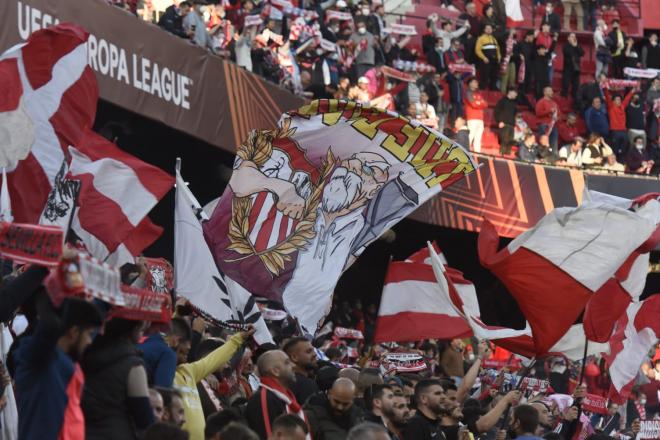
[
  {"x": 28, "y": 188},
  {"x": 415, "y": 326},
  {"x": 11, "y": 88},
  {"x": 284, "y": 223},
  {"x": 266, "y": 230},
  {"x": 101, "y": 216},
  {"x": 143, "y": 236},
  {"x": 400, "y": 271},
  {"x": 297, "y": 157},
  {"x": 256, "y": 208}
]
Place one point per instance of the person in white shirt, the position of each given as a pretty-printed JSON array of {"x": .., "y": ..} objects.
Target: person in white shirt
[
  {"x": 447, "y": 33},
  {"x": 426, "y": 111},
  {"x": 611, "y": 164},
  {"x": 571, "y": 154}
]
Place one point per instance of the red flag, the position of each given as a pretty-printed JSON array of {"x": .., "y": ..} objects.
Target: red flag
[{"x": 51, "y": 105}]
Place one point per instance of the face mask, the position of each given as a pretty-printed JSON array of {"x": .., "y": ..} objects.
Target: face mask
[
  {"x": 335, "y": 29},
  {"x": 319, "y": 51},
  {"x": 393, "y": 40},
  {"x": 365, "y": 11},
  {"x": 640, "y": 146},
  {"x": 362, "y": 30},
  {"x": 202, "y": 9},
  {"x": 642, "y": 401},
  {"x": 559, "y": 369}
]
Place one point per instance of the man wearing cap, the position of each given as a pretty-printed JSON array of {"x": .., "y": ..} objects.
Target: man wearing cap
[{"x": 365, "y": 55}]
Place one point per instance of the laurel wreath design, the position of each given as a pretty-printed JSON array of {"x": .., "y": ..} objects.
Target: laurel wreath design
[{"x": 258, "y": 148}]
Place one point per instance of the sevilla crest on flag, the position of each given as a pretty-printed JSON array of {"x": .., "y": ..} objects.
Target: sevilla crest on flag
[{"x": 306, "y": 198}]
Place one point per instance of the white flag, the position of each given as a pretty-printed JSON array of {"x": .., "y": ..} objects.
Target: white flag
[
  {"x": 197, "y": 278},
  {"x": 5, "y": 201}
]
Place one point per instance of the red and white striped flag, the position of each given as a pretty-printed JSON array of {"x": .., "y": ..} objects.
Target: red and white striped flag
[
  {"x": 635, "y": 333},
  {"x": 554, "y": 269},
  {"x": 47, "y": 101},
  {"x": 117, "y": 191},
  {"x": 413, "y": 307}
]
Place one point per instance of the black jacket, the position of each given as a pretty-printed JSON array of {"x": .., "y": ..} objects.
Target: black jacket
[
  {"x": 635, "y": 116},
  {"x": 105, "y": 396},
  {"x": 303, "y": 387},
  {"x": 586, "y": 94},
  {"x": 327, "y": 426},
  {"x": 554, "y": 21},
  {"x": 572, "y": 57},
  {"x": 505, "y": 111},
  {"x": 254, "y": 412},
  {"x": 172, "y": 22},
  {"x": 421, "y": 427},
  {"x": 15, "y": 292}
]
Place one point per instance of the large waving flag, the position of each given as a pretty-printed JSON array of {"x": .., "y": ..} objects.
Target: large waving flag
[
  {"x": 306, "y": 198},
  {"x": 48, "y": 98},
  {"x": 463, "y": 296},
  {"x": 413, "y": 307},
  {"x": 635, "y": 333},
  {"x": 197, "y": 277},
  {"x": 554, "y": 269}
]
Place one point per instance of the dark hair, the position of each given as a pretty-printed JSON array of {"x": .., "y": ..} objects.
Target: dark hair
[
  {"x": 553, "y": 436},
  {"x": 165, "y": 431},
  {"x": 168, "y": 395},
  {"x": 635, "y": 140},
  {"x": 326, "y": 376},
  {"x": 185, "y": 3},
  {"x": 207, "y": 346},
  {"x": 290, "y": 343},
  {"x": 238, "y": 431},
  {"x": 511, "y": 89},
  {"x": 448, "y": 384},
  {"x": 181, "y": 328},
  {"x": 218, "y": 421},
  {"x": 333, "y": 352},
  {"x": 374, "y": 392},
  {"x": 290, "y": 422},
  {"x": 528, "y": 417},
  {"x": 79, "y": 313},
  {"x": 423, "y": 385}
]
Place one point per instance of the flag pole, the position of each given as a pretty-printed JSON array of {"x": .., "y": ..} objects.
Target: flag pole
[
  {"x": 67, "y": 234},
  {"x": 584, "y": 361}
]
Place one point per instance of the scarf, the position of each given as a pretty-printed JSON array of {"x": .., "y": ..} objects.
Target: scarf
[
  {"x": 285, "y": 395},
  {"x": 507, "y": 57}
]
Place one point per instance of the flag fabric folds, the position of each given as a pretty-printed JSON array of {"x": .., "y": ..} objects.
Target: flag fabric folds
[
  {"x": 306, "y": 198},
  {"x": 47, "y": 102},
  {"x": 413, "y": 307},
  {"x": 635, "y": 333},
  {"x": 553, "y": 269},
  {"x": 463, "y": 296},
  {"x": 197, "y": 277}
]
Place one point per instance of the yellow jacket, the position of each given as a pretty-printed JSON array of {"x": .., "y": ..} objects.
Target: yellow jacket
[
  {"x": 485, "y": 40},
  {"x": 188, "y": 375}
]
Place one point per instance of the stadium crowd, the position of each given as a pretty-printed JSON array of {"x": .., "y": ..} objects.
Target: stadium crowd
[
  {"x": 193, "y": 379},
  {"x": 355, "y": 51}
]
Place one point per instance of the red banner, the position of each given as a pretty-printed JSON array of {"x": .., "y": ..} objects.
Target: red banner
[
  {"x": 348, "y": 333},
  {"x": 160, "y": 275},
  {"x": 36, "y": 244},
  {"x": 649, "y": 430},
  {"x": 142, "y": 304},
  {"x": 595, "y": 404}
]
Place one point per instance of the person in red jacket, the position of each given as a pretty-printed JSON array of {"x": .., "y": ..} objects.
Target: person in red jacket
[
  {"x": 616, "y": 111},
  {"x": 547, "y": 112},
  {"x": 474, "y": 104},
  {"x": 568, "y": 129}
]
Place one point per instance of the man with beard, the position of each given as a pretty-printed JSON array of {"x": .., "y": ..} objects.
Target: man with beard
[
  {"x": 400, "y": 416},
  {"x": 544, "y": 417},
  {"x": 380, "y": 402},
  {"x": 274, "y": 397},
  {"x": 49, "y": 380},
  {"x": 302, "y": 354},
  {"x": 430, "y": 399},
  {"x": 335, "y": 414}
]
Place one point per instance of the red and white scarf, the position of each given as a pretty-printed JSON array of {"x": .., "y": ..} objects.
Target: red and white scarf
[{"x": 285, "y": 395}]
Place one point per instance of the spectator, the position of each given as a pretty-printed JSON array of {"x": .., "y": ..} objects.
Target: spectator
[
  {"x": 368, "y": 431},
  {"x": 505, "y": 116},
  {"x": 520, "y": 128},
  {"x": 472, "y": 18},
  {"x": 426, "y": 111},
  {"x": 596, "y": 118},
  {"x": 571, "y": 154},
  {"x": 215, "y": 423},
  {"x": 302, "y": 354},
  {"x": 589, "y": 91},
  {"x": 455, "y": 55},
  {"x": 435, "y": 57},
  {"x": 568, "y": 129},
  {"x": 287, "y": 427},
  {"x": 188, "y": 375},
  {"x": 651, "y": 53},
  {"x": 425, "y": 424},
  {"x": 447, "y": 33},
  {"x": 194, "y": 25},
  {"x": 274, "y": 397},
  {"x": 573, "y": 54},
  {"x": 635, "y": 118},
  {"x": 401, "y": 415},
  {"x": 603, "y": 54},
  {"x": 461, "y": 133},
  {"x": 571, "y": 6},
  {"x": 490, "y": 18},
  {"x": 618, "y": 48},
  {"x": 47, "y": 376},
  {"x": 475, "y": 105},
  {"x": 360, "y": 92},
  {"x": 546, "y": 153},
  {"x": 173, "y": 408},
  {"x": 527, "y": 50},
  {"x": 243, "y": 47},
  {"x": 508, "y": 66},
  {"x": 172, "y": 19},
  {"x": 333, "y": 415},
  {"x": 380, "y": 404},
  {"x": 547, "y": 113},
  {"x": 487, "y": 50},
  {"x": 451, "y": 359},
  {"x": 607, "y": 423},
  {"x": 638, "y": 159},
  {"x": 343, "y": 87},
  {"x": 160, "y": 359},
  {"x": 365, "y": 43},
  {"x": 116, "y": 395},
  {"x": 156, "y": 402},
  {"x": 528, "y": 151},
  {"x": 594, "y": 153},
  {"x": 524, "y": 422},
  {"x": 616, "y": 110},
  {"x": 551, "y": 18},
  {"x": 541, "y": 73},
  {"x": 632, "y": 58},
  {"x": 544, "y": 37},
  {"x": 653, "y": 93}
]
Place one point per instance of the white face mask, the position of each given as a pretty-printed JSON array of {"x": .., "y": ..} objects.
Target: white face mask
[
  {"x": 202, "y": 9},
  {"x": 642, "y": 401},
  {"x": 335, "y": 29},
  {"x": 362, "y": 30},
  {"x": 640, "y": 146},
  {"x": 365, "y": 11},
  {"x": 559, "y": 369}
]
